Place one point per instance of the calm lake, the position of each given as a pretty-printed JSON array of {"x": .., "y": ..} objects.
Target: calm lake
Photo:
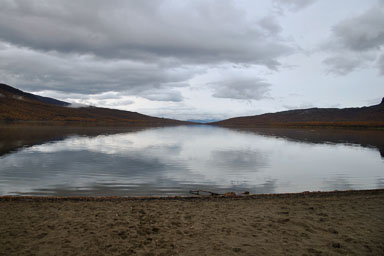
[{"x": 174, "y": 160}]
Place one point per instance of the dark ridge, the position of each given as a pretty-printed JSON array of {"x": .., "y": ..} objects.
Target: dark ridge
[
  {"x": 12, "y": 90},
  {"x": 52, "y": 101},
  {"x": 371, "y": 116}
]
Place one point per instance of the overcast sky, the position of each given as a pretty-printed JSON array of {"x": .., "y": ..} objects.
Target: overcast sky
[{"x": 196, "y": 59}]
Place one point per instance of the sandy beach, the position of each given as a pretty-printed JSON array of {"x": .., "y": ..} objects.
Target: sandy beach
[{"x": 332, "y": 223}]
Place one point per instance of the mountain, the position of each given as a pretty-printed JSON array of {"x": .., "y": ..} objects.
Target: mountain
[
  {"x": 16, "y": 105},
  {"x": 372, "y": 116},
  {"x": 202, "y": 121},
  {"x": 8, "y": 90}
]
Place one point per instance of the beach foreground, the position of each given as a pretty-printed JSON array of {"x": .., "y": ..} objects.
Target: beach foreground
[{"x": 331, "y": 223}]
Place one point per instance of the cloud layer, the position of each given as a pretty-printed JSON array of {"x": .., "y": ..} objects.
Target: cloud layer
[
  {"x": 166, "y": 31},
  {"x": 142, "y": 49},
  {"x": 357, "y": 42}
]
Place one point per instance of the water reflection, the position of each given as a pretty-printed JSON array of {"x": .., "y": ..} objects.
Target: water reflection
[
  {"x": 174, "y": 160},
  {"x": 363, "y": 138},
  {"x": 338, "y": 183},
  {"x": 15, "y": 137},
  {"x": 239, "y": 160}
]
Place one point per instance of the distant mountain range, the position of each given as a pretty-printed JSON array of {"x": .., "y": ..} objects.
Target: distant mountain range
[
  {"x": 372, "y": 116},
  {"x": 202, "y": 121},
  {"x": 16, "y": 105}
]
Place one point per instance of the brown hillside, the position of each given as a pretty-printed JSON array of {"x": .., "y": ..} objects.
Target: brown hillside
[
  {"x": 372, "y": 116},
  {"x": 16, "y": 105}
]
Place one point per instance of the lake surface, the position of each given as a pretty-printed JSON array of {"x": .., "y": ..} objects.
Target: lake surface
[{"x": 58, "y": 161}]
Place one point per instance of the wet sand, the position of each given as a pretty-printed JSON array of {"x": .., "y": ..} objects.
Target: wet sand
[{"x": 333, "y": 223}]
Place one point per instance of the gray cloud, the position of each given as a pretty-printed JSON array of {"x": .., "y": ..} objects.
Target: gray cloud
[
  {"x": 270, "y": 24},
  {"x": 241, "y": 88},
  {"x": 340, "y": 64},
  {"x": 40, "y": 71},
  {"x": 356, "y": 42},
  {"x": 292, "y": 5},
  {"x": 381, "y": 64},
  {"x": 202, "y": 32},
  {"x": 361, "y": 33}
]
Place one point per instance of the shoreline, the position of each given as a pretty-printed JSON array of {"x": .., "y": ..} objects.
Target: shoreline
[
  {"x": 186, "y": 198},
  {"x": 369, "y": 126}
]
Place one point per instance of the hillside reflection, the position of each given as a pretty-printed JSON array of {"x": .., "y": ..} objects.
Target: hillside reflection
[
  {"x": 363, "y": 138},
  {"x": 15, "y": 137}
]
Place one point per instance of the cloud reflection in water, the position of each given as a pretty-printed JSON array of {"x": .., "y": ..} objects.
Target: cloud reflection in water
[{"x": 174, "y": 160}]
